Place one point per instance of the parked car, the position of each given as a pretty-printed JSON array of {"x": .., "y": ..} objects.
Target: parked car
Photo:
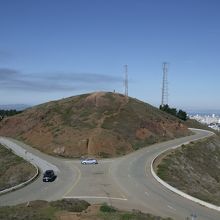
[
  {"x": 49, "y": 176},
  {"x": 89, "y": 161}
]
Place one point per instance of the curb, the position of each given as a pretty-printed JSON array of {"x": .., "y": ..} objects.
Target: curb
[
  {"x": 21, "y": 184},
  {"x": 173, "y": 189}
]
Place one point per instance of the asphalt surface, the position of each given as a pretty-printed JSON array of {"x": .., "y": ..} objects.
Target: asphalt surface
[{"x": 125, "y": 182}]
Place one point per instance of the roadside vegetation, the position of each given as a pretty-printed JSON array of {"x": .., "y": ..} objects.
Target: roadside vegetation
[
  {"x": 109, "y": 213},
  {"x": 13, "y": 169},
  {"x": 5, "y": 113},
  {"x": 70, "y": 209},
  {"x": 194, "y": 169},
  {"x": 173, "y": 111},
  {"x": 41, "y": 210}
]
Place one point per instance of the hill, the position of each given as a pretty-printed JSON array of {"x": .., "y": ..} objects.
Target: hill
[
  {"x": 14, "y": 170},
  {"x": 194, "y": 169},
  {"x": 100, "y": 124}
]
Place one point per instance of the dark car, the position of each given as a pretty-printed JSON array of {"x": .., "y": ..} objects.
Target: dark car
[{"x": 49, "y": 176}]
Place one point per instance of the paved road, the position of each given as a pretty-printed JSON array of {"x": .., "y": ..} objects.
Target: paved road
[
  {"x": 26, "y": 153},
  {"x": 66, "y": 176},
  {"x": 124, "y": 182}
]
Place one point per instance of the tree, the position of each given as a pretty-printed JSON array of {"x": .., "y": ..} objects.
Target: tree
[
  {"x": 182, "y": 115},
  {"x": 5, "y": 113},
  {"x": 173, "y": 111}
]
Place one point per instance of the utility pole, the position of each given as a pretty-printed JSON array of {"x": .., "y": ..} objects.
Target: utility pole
[
  {"x": 126, "y": 79},
  {"x": 164, "y": 100}
]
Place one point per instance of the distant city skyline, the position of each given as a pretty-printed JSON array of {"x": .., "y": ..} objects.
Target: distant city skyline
[{"x": 55, "y": 49}]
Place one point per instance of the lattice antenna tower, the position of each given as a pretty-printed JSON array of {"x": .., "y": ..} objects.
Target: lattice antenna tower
[
  {"x": 126, "y": 79},
  {"x": 164, "y": 100}
]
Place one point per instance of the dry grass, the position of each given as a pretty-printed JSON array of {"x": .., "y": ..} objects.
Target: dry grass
[
  {"x": 13, "y": 169},
  {"x": 41, "y": 210},
  {"x": 70, "y": 210},
  {"x": 101, "y": 124},
  {"x": 195, "y": 169}
]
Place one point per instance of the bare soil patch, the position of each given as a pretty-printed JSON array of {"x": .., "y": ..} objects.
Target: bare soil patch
[{"x": 99, "y": 124}]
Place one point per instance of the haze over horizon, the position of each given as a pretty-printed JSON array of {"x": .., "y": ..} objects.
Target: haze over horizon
[{"x": 54, "y": 49}]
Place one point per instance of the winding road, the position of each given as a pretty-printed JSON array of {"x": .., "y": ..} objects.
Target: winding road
[{"x": 125, "y": 182}]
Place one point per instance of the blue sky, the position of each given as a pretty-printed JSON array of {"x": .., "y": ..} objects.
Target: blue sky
[{"x": 52, "y": 49}]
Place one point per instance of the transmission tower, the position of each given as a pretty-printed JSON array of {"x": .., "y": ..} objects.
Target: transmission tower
[
  {"x": 164, "y": 100},
  {"x": 126, "y": 79}
]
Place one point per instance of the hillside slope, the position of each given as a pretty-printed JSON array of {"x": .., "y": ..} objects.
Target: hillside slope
[
  {"x": 100, "y": 124},
  {"x": 14, "y": 170},
  {"x": 195, "y": 169}
]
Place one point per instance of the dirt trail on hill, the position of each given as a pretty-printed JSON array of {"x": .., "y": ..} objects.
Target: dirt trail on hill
[{"x": 100, "y": 122}]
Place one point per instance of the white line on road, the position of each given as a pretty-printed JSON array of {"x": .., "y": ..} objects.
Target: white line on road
[
  {"x": 170, "y": 207},
  {"x": 146, "y": 193},
  {"x": 93, "y": 197}
]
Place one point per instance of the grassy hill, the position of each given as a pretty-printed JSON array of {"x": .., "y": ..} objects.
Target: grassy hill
[
  {"x": 100, "y": 124},
  {"x": 13, "y": 169},
  {"x": 195, "y": 169},
  {"x": 70, "y": 209}
]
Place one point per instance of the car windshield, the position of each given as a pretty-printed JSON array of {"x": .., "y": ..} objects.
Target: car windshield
[{"x": 48, "y": 172}]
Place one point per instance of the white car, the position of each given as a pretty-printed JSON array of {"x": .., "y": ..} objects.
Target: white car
[{"x": 89, "y": 161}]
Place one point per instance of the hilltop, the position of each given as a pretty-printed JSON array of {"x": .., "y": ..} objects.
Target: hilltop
[{"x": 101, "y": 124}]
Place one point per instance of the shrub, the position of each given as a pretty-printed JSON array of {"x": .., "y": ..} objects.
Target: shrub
[{"x": 106, "y": 208}]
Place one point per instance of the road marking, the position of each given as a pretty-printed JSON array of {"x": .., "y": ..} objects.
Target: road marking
[
  {"x": 118, "y": 186},
  {"x": 93, "y": 197},
  {"x": 170, "y": 207},
  {"x": 76, "y": 182},
  {"x": 146, "y": 174},
  {"x": 146, "y": 193}
]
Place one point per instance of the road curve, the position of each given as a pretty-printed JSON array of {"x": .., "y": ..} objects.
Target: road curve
[
  {"x": 133, "y": 175},
  {"x": 66, "y": 175},
  {"x": 125, "y": 182}
]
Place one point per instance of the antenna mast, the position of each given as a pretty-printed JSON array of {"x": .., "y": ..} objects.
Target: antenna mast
[
  {"x": 126, "y": 79},
  {"x": 164, "y": 100}
]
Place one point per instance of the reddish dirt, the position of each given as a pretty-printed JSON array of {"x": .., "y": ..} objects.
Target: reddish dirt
[
  {"x": 99, "y": 124},
  {"x": 89, "y": 214}
]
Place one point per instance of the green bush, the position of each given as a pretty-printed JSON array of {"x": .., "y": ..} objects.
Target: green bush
[
  {"x": 71, "y": 205},
  {"x": 106, "y": 208}
]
